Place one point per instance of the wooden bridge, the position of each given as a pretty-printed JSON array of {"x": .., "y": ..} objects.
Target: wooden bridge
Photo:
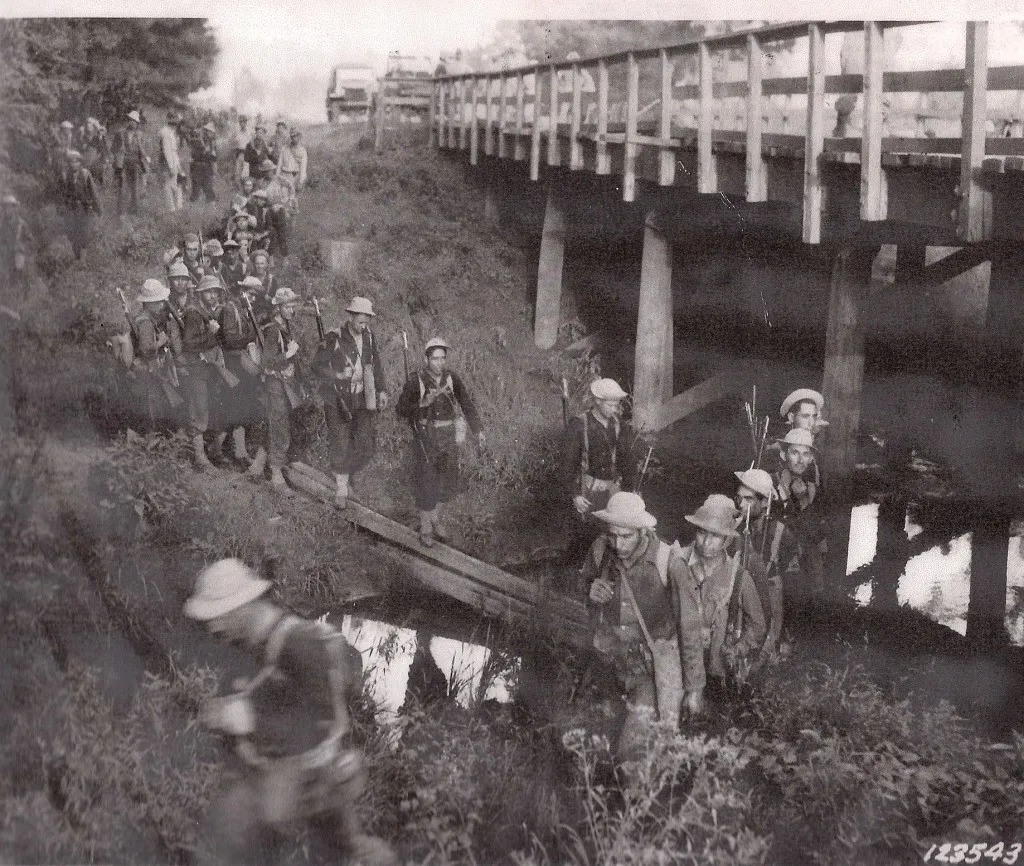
[{"x": 677, "y": 138}]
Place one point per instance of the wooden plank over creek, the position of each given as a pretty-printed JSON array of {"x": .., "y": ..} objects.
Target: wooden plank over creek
[{"x": 452, "y": 572}]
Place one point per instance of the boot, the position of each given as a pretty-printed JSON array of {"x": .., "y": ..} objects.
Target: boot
[
  {"x": 241, "y": 453},
  {"x": 259, "y": 463},
  {"x": 341, "y": 495},
  {"x": 426, "y": 529},
  {"x": 217, "y": 456},
  {"x": 278, "y": 482},
  {"x": 200, "y": 461},
  {"x": 440, "y": 530}
]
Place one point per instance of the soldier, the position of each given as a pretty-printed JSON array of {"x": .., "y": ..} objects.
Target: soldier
[
  {"x": 14, "y": 244},
  {"x": 237, "y": 336},
  {"x": 200, "y": 354},
  {"x": 279, "y": 142},
  {"x": 352, "y": 385},
  {"x": 259, "y": 265},
  {"x": 155, "y": 344},
  {"x": 239, "y": 144},
  {"x": 170, "y": 162},
  {"x": 204, "y": 159},
  {"x": 770, "y": 552},
  {"x": 280, "y": 394},
  {"x": 260, "y": 211},
  {"x": 80, "y": 202},
  {"x": 721, "y": 621},
  {"x": 130, "y": 163},
  {"x": 803, "y": 510},
  {"x": 233, "y": 269},
  {"x": 191, "y": 256},
  {"x": 596, "y": 462},
  {"x": 257, "y": 150},
  {"x": 293, "y": 161},
  {"x": 802, "y": 409},
  {"x": 291, "y": 724},
  {"x": 95, "y": 149},
  {"x": 213, "y": 255},
  {"x": 630, "y": 575},
  {"x": 279, "y": 197},
  {"x": 180, "y": 283},
  {"x": 432, "y": 401}
]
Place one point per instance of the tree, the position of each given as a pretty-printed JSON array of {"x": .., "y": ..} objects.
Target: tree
[{"x": 53, "y": 69}]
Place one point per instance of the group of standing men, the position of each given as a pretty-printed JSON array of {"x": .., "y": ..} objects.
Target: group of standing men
[{"x": 675, "y": 624}]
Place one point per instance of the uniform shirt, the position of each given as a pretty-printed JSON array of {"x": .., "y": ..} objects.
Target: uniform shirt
[
  {"x": 444, "y": 407},
  {"x": 653, "y": 597},
  {"x": 232, "y": 274},
  {"x": 702, "y": 602},
  {"x": 610, "y": 452},
  {"x": 147, "y": 328},
  {"x": 296, "y": 709},
  {"x": 804, "y": 513},
  {"x": 204, "y": 148},
  {"x": 236, "y": 329},
  {"x": 294, "y": 160},
  {"x": 341, "y": 349},
  {"x": 197, "y": 336},
  {"x": 276, "y": 337},
  {"x": 255, "y": 153},
  {"x": 79, "y": 191},
  {"x": 168, "y": 140}
]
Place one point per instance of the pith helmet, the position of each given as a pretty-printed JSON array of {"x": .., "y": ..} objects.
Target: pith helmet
[
  {"x": 134, "y": 115},
  {"x": 10, "y": 199},
  {"x": 717, "y": 515},
  {"x": 436, "y": 343},
  {"x": 259, "y": 193},
  {"x": 628, "y": 511},
  {"x": 757, "y": 480},
  {"x": 209, "y": 283},
  {"x": 801, "y": 394},
  {"x": 231, "y": 244},
  {"x": 260, "y": 254},
  {"x": 191, "y": 238},
  {"x": 267, "y": 165},
  {"x": 797, "y": 436},
  {"x": 172, "y": 255},
  {"x": 74, "y": 154},
  {"x": 607, "y": 389},
  {"x": 178, "y": 269},
  {"x": 251, "y": 282},
  {"x": 213, "y": 248},
  {"x": 66, "y": 124},
  {"x": 223, "y": 587},
  {"x": 284, "y": 295},
  {"x": 210, "y": 127},
  {"x": 153, "y": 291},
  {"x": 360, "y": 305}
]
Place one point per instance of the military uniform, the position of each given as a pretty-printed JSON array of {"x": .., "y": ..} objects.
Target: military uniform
[
  {"x": 435, "y": 452},
  {"x": 81, "y": 202},
  {"x": 804, "y": 514},
  {"x": 241, "y": 404},
  {"x": 156, "y": 343},
  {"x": 130, "y": 164},
  {"x": 14, "y": 246},
  {"x": 204, "y": 159},
  {"x": 199, "y": 381},
  {"x": 350, "y": 423},
  {"x": 280, "y": 391}
]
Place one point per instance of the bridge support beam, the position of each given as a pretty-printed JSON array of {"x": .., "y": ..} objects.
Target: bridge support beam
[
  {"x": 549, "y": 272},
  {"x": 652, "y": 377}
]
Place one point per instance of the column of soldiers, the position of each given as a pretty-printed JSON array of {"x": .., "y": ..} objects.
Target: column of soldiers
[{"x": 676, "y": 626}]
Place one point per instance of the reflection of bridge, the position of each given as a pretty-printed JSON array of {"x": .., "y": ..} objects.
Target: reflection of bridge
[{"x": 670, "y": 158}]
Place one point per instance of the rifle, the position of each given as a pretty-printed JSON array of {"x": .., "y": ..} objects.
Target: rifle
[
  {"x": 412, "y": 420},
  {"x": 643, "y": 470},
  {"x": 174, "y": 399},
  {"x": 565, "y": 403},
  {"x": 319, "y": 321},
  {"x": 252, "y": 319},
  {"x": 734, "y": 627}
]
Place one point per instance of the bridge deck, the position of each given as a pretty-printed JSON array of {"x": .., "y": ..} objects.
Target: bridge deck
[{"x": 627, "y": 115}]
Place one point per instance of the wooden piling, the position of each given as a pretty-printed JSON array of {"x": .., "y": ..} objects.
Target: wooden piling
[
  {"x": 652, "y": 377},
  {"x": 549, "y": 272}
]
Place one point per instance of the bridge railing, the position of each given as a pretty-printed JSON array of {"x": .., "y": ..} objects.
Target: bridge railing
[{"x": 669, "y": 99}]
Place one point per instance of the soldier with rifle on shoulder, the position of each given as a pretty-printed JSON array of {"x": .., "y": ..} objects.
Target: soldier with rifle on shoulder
[
  {"x": 351, "y": 376},
  {"x": 438, "y": 406},
  {"x": 238, "y": 335}
]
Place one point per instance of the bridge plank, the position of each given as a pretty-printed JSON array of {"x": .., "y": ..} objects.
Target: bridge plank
[
  {"x": 815, "y": 136},
  {"x": 756, "y": 187},
  {"x": 632, "y": 110},
  {"x": 699, "y": 396},
  {"x": 872, "y": 179},
  {"x": 666, "y": 158},
  {"x": 971, "y": 222}
]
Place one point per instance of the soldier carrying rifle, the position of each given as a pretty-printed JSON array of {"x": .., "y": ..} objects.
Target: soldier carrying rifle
[{"x": 280, "y": 393}]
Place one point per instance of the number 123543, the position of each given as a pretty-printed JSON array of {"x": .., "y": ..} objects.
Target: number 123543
[{"x": 995, "y": 852}]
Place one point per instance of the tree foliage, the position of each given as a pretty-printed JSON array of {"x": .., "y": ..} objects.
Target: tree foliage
[{"x": 71, "y": 68}]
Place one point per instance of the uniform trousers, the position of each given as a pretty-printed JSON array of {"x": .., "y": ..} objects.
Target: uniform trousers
[
  {"x": 351, "y": 439},
  {"x": 173, "y": 197},
  {"x": 435, "y": 469},
  {"x": 278, "y": 413},
  {"x": 202, "y": 181},
  {"x": 127, "y": 178},
  {"x": 196, "y": 387},
  {"x": 241, "y": 404},
  {"x": 78, "y": 226}
]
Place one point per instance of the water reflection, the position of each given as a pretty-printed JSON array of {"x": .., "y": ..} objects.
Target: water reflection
[
  {"x": 399, "y": 662},
  {"x": 937, "y": 582}
]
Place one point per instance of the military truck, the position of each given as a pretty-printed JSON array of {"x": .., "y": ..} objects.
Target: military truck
[
  {"x": 350, "y": 95},
  {"x": 407, "y": 87}
]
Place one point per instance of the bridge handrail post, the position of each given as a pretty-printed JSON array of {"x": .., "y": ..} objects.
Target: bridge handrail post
[
  {"x": 755, "y": 170},
  {"x": 538, "y": 90},
  {"x": 518, "y": 149},
  {"x": 502, "y": 113},
  {"x": 814, "y": 138},
  {"x": 873, "y": 198},
  {"x": 489, "y": 116},
  {"x": 603, "y": 163},
  {"x": 706, "y": 180},
  {"x": 632, "y": 114},
  {"x": 666, "y": 155},
  {"x": 974, "y": 211},
  {"x": 553, "y": 118},
  {"x": 474, "y": 125},
  {"x": 576, "y": 120}
]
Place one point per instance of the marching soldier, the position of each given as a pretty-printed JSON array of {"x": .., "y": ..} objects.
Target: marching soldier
[
  {"x": 192, "y": 256},
  {"x": 293, "y": 161},
  {"x": 631, "y": 576},
  {"x": 180, "y": 283},
  {"x": 170, "y": 161},
  {"x": 233, "y": 269},
  {"x": 801, "y": 501},
  {"x": 259, "y": 265},
  {"x": 437, "y": 405},
  {"x": 771, "y": 552},
  {"x": 237, "y": 336},
  {"x": 213, "y": 257},
  {"x": 597, "y": 461},
  {"x": 81, "y": 201},
  {"x": 257, "y": 150},
  {"x": 14, "y": 244},
  {"x": 351, "y": 376},
  {"x": 280, "y": 391},
  {"x": 721, "y": 621},
  {"x": 291, "y": 724},
  {"x": 130, "y": 162},
  {"x": 200, "y": 353},
  {"x": 204, "y": 159}
]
